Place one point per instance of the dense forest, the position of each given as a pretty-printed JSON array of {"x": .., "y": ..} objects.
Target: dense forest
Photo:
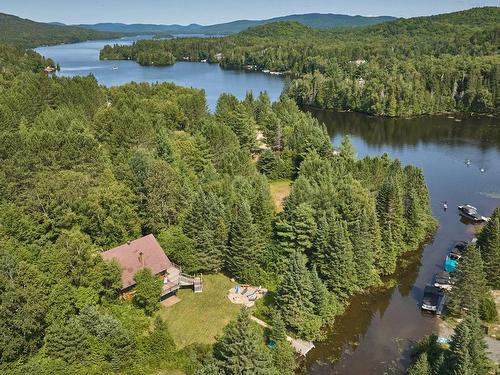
[
  {"x": 405, "y": 67},
  {"x": 84, "y": 168},
  {"x": 27, "y": 33}
]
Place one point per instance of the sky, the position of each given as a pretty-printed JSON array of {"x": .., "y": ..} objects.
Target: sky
[{"x": 216, "y": 11}]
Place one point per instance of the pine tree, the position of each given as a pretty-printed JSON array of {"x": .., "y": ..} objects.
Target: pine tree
[
  {"x": 390, "y": 210},
  {"x": 294, "y": 298},
  {"x": 364, "y": 257},
  {"x": 347, "y": 151},
  {"x": 158, "y": 346},
  {"x": 240, "y": 351},
  {"x": 68, "y": 341},
  {"x": 325, "y": 305},
  {"x": 283, "y": 354},
  {"x": 334, "y": 259},
  {"x": 147, "y": 291},
  {"x": 459, "y": 362},
  {"x": 205, "y": 224},
  {"x": 470, "y": 285},
  {"x": 421, "y": 367},
  {"x": 244, "y": 252},
  {"x": 488, "y": 243},
  {"x": 210, "y": 368},
  {"x": 297, "y": 230},
  {"x": 467, "y": 354},
  {"x": 418, "y": 212},
  {"x": 477, "y": 346}
]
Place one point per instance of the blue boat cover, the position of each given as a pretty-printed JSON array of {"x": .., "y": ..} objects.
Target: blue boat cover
[{"x": 450, "y": 265}]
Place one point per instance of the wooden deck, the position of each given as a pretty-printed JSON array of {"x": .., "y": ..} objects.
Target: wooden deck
[
  {"x": 175, "y": 279},
  {"x": 301, "y": 346}
]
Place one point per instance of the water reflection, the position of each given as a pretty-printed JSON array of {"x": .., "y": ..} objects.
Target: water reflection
[
  {"x": 375, "y": 334},
  {"x": 375, "y": 131},
  {"x": 81, "y": 59}
]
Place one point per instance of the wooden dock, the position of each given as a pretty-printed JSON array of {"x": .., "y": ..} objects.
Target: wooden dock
[{"x": 301, "y": 346}]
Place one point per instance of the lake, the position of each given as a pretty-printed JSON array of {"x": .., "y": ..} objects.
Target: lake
[
  {"x": 376, "y": 332},
  {"x": 83, "y": 59}
]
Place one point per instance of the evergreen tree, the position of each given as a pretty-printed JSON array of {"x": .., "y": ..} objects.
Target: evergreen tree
[
  {"x": 296, "y": 230},
  {"x": 283, "y": 354},
  {"x": 205, "y": 224},
  {"x": 158, "y": 346},
  {"x": 294, "y": 298},
  {"x": 210, "y": 368},
  {"x": 488, "y": 243},
  {"x": 470, "y": 283},
  {"x": 467, "y": 354},
  {"x": 334, "y": 259},
  {"x": 421, "y": 367},
  {"x": 347, "y": 151},
  {"x": 324, "y": 303},
  {"x": 390, "y": 210},
  {"x": 68, "y": 341},
  {"x": 459, "y": 362},
  {"x": 147, "y": 291},
  {"x": 240, "y": 350},
  {"x": 363, "y": 254},
  {"x": 477, "y": 346},
  {"x": 244, "y": 252}
]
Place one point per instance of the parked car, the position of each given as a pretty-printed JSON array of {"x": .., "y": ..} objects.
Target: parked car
[
  {"x": 470, "y": 213},
  {"x": 434, "y": 299}
]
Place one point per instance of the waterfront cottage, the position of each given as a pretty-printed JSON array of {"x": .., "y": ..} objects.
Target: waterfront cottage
[{"x": 146, "y": 252}]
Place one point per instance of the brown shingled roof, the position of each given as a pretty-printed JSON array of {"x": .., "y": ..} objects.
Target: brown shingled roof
[{"x": 128, "y": 256}]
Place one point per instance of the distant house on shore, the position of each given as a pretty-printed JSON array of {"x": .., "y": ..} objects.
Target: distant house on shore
[
  {"x": 146, "y": 252},
  {"x": 49, "y": 69}
]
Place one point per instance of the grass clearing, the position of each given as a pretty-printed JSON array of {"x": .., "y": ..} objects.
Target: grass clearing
[
  {"x": 279, "y": 191},
  {"x": 201, "y": 317}
]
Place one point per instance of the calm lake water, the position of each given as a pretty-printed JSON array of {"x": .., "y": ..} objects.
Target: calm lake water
[
  {"x": 83, "y": 59},
  {"x": 376, "y": 332}
]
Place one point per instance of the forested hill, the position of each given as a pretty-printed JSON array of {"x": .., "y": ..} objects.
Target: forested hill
[
  {"x": 27, "y": 33},
  {"x": 315, "y": 20},
  {"x": 405, "y": 67}
]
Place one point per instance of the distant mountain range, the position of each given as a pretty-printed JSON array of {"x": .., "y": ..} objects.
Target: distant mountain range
[
  {"x": 27, "y": 33},
  {"x": 315, "y": 20}
]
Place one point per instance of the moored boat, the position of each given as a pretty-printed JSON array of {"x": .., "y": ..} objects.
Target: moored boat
[
  {"x": 442, "y": 280},
  {"x": 433, "y": 300},
  {"x": 470, "y": 213},
  {"x": 455, "y": 255}
]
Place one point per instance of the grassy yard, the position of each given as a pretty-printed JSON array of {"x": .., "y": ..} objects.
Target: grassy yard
[
  {"x": 201, "y": 317},
  {"x": 279, "y": 191}
]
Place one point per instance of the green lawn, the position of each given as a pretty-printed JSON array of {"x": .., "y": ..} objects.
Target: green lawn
[
  {"x": 279, "y": 191},
  {"x": 201, "y": 317}
]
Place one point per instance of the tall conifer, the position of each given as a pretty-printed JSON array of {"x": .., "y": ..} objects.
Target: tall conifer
[{"x": 240, "y": 350}]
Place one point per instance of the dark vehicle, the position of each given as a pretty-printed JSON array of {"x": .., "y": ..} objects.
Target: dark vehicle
[
  {"x": 442, "y": 280},
  {"x": 434, "y": 299},
  {"x": 470, "y": 213}
]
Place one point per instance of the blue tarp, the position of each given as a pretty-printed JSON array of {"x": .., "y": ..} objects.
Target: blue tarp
[{"x": 450, "y": 265}]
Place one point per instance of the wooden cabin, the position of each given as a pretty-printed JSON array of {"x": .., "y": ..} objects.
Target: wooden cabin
[{"x": 146, "y": 252}]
